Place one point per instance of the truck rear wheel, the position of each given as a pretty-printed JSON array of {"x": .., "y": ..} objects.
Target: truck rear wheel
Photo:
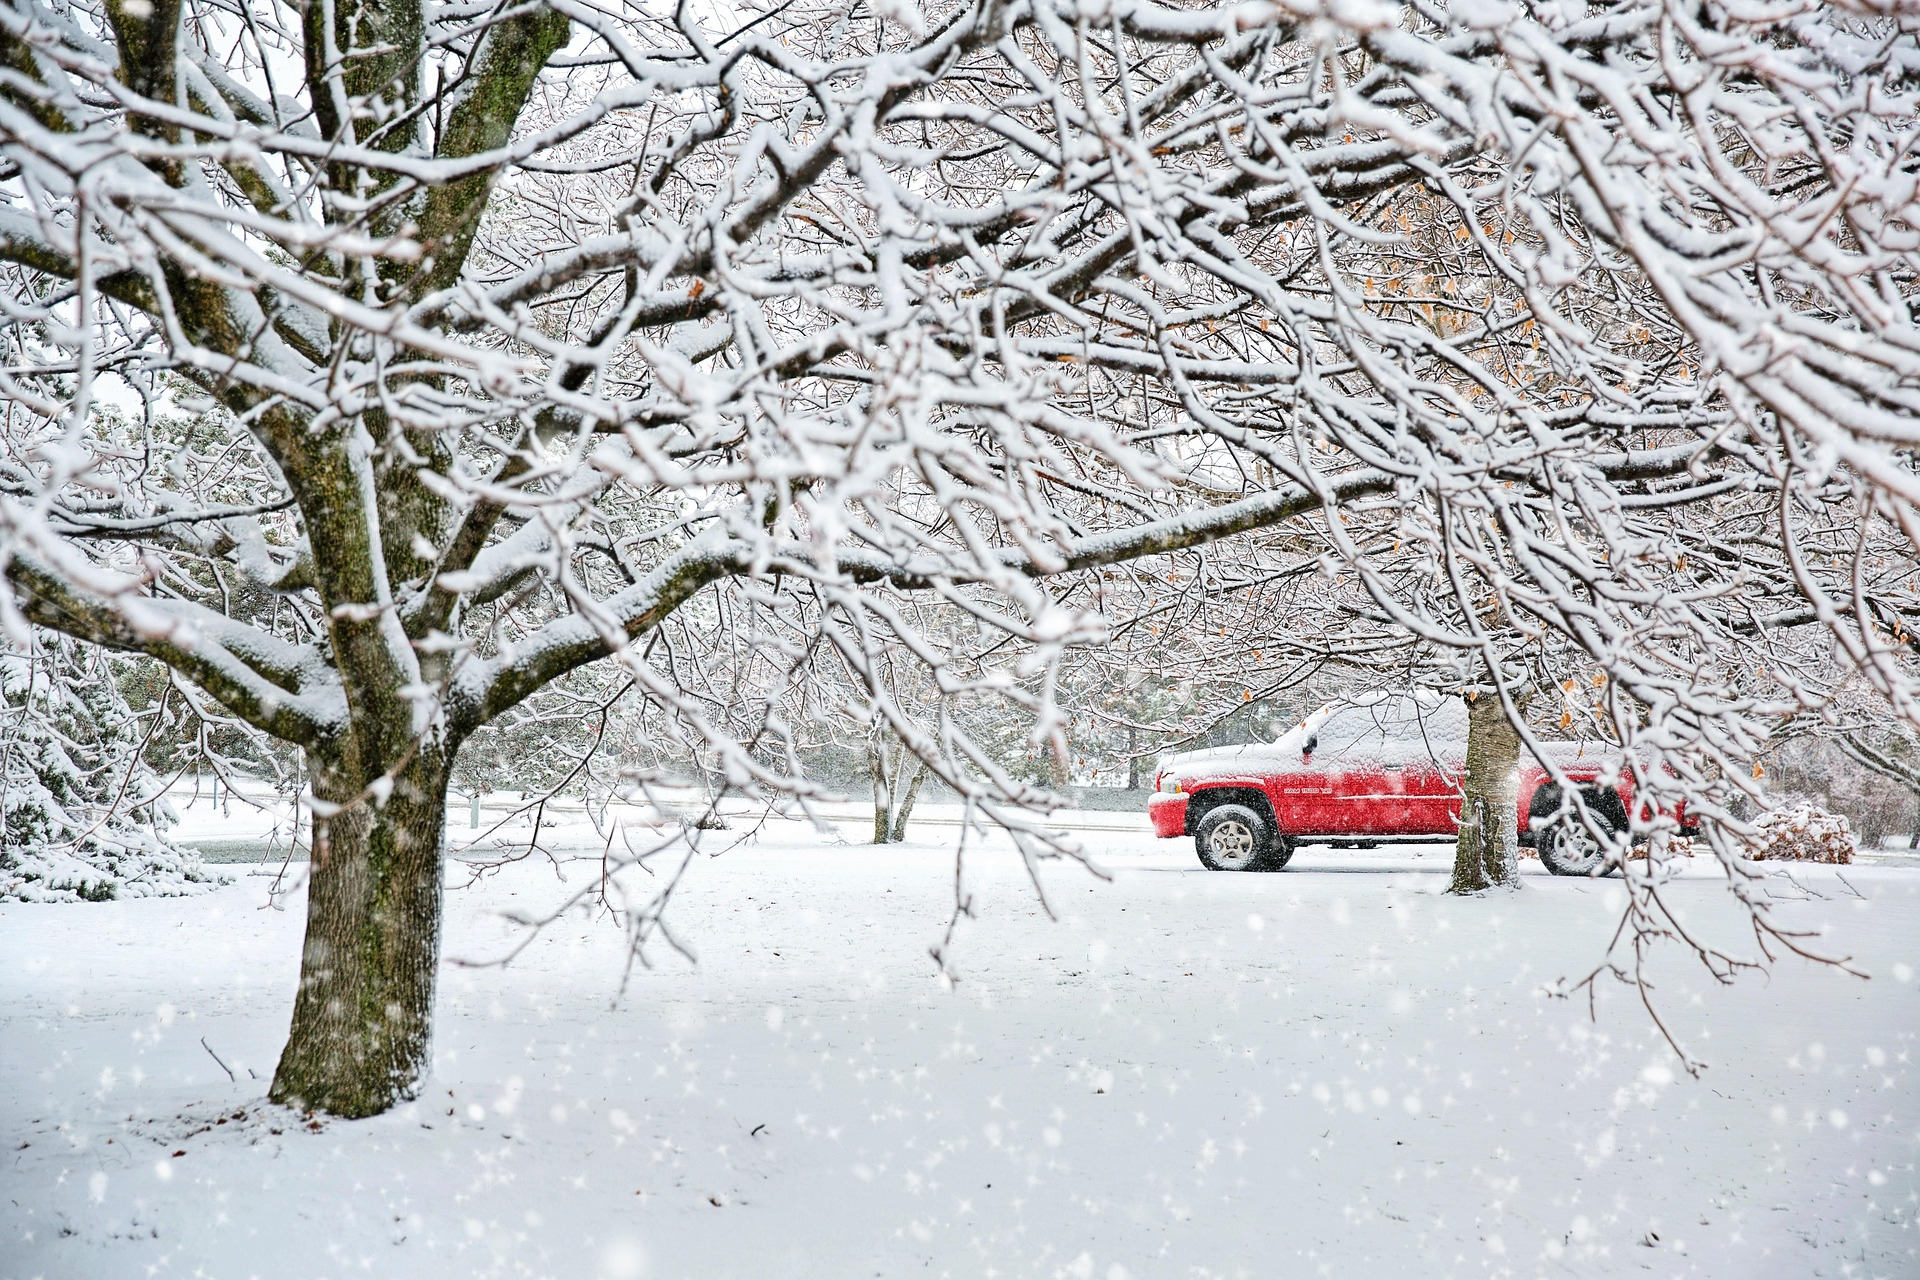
[{"x": 1232, "y": 837}]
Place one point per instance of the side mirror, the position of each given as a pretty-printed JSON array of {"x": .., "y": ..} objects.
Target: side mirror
[{"x": 1306, "y": 752}]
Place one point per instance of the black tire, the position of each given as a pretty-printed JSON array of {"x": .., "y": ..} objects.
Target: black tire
[
  {"x": 1568, "y": 846},
  {"x": 1232, "y": 837}
]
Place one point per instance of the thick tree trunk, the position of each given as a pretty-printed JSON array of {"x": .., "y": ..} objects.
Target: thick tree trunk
[
  {"x": 360, "y": 1037},
  {"x": 1488, "y": 850}
]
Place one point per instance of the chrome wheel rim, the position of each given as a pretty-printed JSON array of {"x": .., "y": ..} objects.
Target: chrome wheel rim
[
  {"x": 1231, "y": 844},
  {"x": 1577, "y": 851}
]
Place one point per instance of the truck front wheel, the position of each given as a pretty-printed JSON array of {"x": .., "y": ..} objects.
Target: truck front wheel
[
  {"x": 1232, "y": 837},
  {"x": 1567, "y": 846}
]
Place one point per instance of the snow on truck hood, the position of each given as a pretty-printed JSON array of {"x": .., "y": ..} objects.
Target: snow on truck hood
[{"x": 1254, "y": 757}]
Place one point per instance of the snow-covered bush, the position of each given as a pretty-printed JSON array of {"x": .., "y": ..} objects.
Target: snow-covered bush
[
  {"x": 1675, "y": 847},
  {"x": 84, "y": 819},
  {"x": 1804, "y": 833},
  {"x": 1825, "y": 773}
]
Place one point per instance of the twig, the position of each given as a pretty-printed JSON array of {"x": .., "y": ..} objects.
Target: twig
[{"x": 216, "y": 1057}]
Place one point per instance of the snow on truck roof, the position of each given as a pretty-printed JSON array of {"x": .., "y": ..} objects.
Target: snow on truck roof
[
  {"x": 1381, "y": 718},
  {"x": 1375, "y": 721},
  {"x": 1377, "y": 725}
]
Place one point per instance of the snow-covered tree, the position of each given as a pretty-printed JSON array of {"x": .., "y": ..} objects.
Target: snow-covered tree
[
  {"x": 519, "y": 338},
  {"x": 85, "y": 817}
]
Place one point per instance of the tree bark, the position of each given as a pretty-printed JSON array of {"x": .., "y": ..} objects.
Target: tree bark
[
  {"x": 897, "y": 829},
  {"x": 359, "y": 1042},
  {"x": 882, "y": 789},
  {"x": 1487, "y": 852}
]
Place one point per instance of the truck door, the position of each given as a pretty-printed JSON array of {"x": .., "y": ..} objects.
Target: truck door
[
  {"x": 1434, "y": 790},
  {"x": 1432, "y": 738},
  {"x": 1394, "y": 766},
  {"x": 1363, "y": 793}
]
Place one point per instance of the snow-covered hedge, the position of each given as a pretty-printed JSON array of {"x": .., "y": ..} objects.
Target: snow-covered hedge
[
  {"x": 1804, "y": 833},
  {"x": 92, "y": 872}
]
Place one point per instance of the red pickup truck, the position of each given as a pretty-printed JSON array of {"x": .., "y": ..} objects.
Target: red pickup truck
[{"x": 1376, "y": 769}]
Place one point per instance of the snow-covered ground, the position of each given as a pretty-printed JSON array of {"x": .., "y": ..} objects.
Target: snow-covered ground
[{"x": 1331, "y": 1071}]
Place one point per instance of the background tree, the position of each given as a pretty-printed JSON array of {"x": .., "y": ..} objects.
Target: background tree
[{"x": 86, "y": 815}]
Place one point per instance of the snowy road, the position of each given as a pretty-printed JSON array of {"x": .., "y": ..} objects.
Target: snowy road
[{"x": 1331, "y": 1071}]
